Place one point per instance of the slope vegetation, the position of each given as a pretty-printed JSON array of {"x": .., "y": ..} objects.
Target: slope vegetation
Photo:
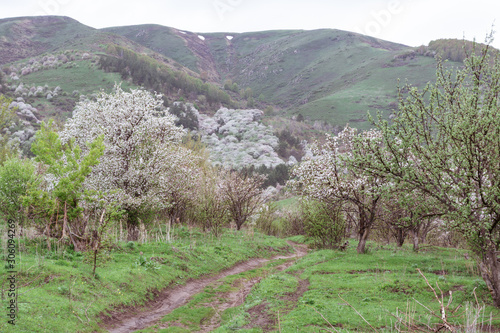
[{"x": 327, "y": 75}]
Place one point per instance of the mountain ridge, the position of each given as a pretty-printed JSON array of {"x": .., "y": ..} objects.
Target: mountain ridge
[{"x": 323, "y": 74}]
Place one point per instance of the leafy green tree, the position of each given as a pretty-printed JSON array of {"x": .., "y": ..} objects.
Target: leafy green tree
[
  {"x": 186, "y": 115},
  {"x": 60, "y": 194},
  {"x": 16, "y": 177},
  {"x": 6, "y": 114},
  {"x": 324, "y": 223},
  {"x": 444, "y": 142}
]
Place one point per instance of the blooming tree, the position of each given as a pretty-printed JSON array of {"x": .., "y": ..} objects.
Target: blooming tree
[
  {"x": 212, "y": 209},
  {"x": 141, "y": 152},
  {"x": 178, "y": 185},
  {"x": 243, "y": 194},
  {"x": 444, "y": 142},
  {"x": 7, "y": 116},
  {"x": 328, "y": 176},
  {"x": 237, "y": 138}
]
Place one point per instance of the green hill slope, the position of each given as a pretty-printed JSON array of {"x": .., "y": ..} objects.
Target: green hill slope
[
  {"x": 327, "y": 75},
  {"x": 57, "y": 51},
  {"x": 25, "y": 37}
]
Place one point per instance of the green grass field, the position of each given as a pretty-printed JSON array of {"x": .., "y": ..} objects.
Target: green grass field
[
  {"x": 57, "y": 292},
  {"x": 324, "y": 289},
  {"x": 347, "y": 292},
  {"x": 345, "y": 288},
  {"x": 83, "y": 76}
]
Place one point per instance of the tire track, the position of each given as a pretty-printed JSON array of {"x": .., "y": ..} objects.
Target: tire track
[{"x": 170, "y": 299}]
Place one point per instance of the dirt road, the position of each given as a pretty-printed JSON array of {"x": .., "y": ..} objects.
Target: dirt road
[{"x": 170, "y": 299}]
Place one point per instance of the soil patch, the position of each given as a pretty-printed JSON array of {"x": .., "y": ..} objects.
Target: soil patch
[
  {"x": 293, "y": 298},
  {"x": 260, "y": 317},
  {"x": 230, "y": 300},
  {"x": 131, "y": 318},
  {"x": 440, "y": 272},
  {"x": 324, "y": 273},
  {"x": 236, "y": 298}
]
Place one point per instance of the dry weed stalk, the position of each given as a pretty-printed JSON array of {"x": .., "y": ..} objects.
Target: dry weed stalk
[
  {"x": 443, "y": 308},
  {"x": 359, "y": 314},
  {"x": 472, "y": 313},
  {"x": 323, "y": 319}
]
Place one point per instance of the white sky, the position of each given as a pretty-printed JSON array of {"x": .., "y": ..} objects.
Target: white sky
[{"x": 410, "y": 22}]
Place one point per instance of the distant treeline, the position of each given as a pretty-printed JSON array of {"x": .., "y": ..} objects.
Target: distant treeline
[
  {"x": 451, "y": 49},
  {"x": 278, "y": 175},
  {"x": 152, "y": 74}
]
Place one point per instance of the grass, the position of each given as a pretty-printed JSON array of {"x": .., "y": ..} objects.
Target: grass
[
  {"x": 82, "y": 75},
  {"x": 380, "y": 284},
  {"x": 57, "y": 292},
  {"x": 367, "y": 89},
  {"x": 161, "y": 39},
  {"x": 326, "y": 288},
  {"x": 287, "y": 203},
  {"x": 326, "y": 75}
]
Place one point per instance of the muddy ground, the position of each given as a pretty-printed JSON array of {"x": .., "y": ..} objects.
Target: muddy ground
[{"x": 132, "y": 319}]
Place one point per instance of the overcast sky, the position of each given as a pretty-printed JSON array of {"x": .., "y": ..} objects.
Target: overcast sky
[{"x": 410, "y": 22}]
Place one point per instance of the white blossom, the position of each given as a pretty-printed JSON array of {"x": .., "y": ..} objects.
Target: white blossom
[{"x": 142, "y": 146}]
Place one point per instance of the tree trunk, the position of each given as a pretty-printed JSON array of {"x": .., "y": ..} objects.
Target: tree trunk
[
  {"x": 238, "y": 224},
  {"x": 168, "y": 228},
  {"x": 416, "y": 239},
  {"x": 78, "y": 244},
  {"x": 362, "y": 240},
  {"x": 95, "y": 262},
  {"x": 400, "y": 237},
  {"x": 132, "y": 232},
  {"x": 132, "y": 225},
  {"x": 364, "y": 229},
  {"x": 490, "y": 271},
  {"x": 425, "y": 229},
  {"x": 48, "y": 236}
]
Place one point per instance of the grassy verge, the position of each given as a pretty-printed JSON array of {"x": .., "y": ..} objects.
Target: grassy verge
[
  {"x": 57, "y": 292},
  {"x": 383, "y": 285}
]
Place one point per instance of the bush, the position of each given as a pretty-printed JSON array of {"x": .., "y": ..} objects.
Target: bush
[
  {"x": 324, "y": 224},
  {"x": 278, "y": 223}
]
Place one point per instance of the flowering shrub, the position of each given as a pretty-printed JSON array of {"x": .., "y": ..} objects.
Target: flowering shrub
[
  {"x": 236, "y": 139},
  {"x": 327, "y": 176}
]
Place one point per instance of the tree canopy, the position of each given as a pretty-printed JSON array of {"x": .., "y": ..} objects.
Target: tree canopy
[
  {"x": 142, "y": 149},
  {"x": 444, "y": 141}
]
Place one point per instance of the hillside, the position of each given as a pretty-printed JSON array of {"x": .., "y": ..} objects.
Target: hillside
[
  {"x": 326, "y": 76},
  {"x": 50, "y": 63},
  {"x": 25, "y": 37},
  {"x": 329, "y": 75}
]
